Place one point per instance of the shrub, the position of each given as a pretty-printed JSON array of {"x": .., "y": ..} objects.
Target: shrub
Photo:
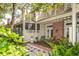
[
  {"x": 40, "y": 54},
  {"x": 11, "y": 44},
  {"x": 65, "y": 48}
]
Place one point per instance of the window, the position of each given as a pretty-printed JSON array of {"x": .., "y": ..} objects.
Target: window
[
  {"x": 77, "y": 29},
  {"x": 48, "y": 33},
  {"x": 51, "y": 33},
  {"x": 67, "y": 32},
  {"x": 38, "y": 28},
  {"x": 26, "y": 26},
  {"x": 68, "y": 5},
  {"x": 30, "y": 26}
]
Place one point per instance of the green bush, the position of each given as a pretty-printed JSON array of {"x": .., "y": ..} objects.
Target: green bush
[
  {"x": 40, "y": 54},
  {"x": 65, "y": 48},
  {"x": 11, "y": 44}
]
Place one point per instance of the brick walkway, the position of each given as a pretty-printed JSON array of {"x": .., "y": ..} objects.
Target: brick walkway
[{"x": 34, "y": 49}]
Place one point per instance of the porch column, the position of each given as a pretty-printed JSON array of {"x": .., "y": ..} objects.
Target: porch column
[
  {"x": 23, "y": 17},
  {"x": 74, "y": 35},
  {"x": 35, "y": 30},
  {"x": 55, "y": 9}
]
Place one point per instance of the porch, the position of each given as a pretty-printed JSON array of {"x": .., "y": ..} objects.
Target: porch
[{"x": 52, "y": 29}]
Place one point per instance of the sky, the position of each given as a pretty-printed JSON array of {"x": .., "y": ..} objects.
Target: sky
[{"x": 8, "y": 16}]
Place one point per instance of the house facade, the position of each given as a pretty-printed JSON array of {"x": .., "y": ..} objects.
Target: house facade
[{"x": 56, "y": 24}]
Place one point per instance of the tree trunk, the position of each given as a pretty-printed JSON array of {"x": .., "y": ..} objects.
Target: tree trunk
[{"x": 13, "y": 17}]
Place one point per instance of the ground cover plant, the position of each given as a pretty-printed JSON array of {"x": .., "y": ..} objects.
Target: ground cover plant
[{"x": 64, "y": 48}]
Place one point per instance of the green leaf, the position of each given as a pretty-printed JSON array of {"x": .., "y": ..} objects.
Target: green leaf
[{"x": 4, "y": 44}]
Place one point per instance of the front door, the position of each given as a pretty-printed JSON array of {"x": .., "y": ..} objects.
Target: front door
[{"x": 50, "y": 32}]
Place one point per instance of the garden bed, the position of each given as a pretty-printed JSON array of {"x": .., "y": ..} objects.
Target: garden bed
[{"x": 41, "y": 43}]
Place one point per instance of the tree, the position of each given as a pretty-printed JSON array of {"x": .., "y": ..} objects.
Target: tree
[
  {"x": 14, "y": 8},
  {"x": 36, "y": 7},
  {"x": 4, "y": 9},
  {"x": 44, "y": 7}
]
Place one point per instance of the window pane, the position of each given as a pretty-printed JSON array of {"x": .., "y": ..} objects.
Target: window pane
[
  {"x": 38, "y": 26},
  {"x": 31, "y": 26},
  {"x": 26, "y": 25}
]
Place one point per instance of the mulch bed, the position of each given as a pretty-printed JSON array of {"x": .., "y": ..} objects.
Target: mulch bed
[{"x": 42, "y": 45}]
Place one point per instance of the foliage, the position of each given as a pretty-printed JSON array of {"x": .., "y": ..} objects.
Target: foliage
[
  {"x": 1, "y": 7},
  {"x": 50, "y": 44},
  {"x": 44, "y": 7},
  {"x": 11, "y": 44},
  {"x": 40, "y": 54},
  {"x": 65, "y": 48}
]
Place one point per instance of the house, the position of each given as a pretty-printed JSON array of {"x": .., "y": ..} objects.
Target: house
[{"x": 57, "y": 24}]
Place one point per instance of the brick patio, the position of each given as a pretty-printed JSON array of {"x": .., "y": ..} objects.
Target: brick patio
[{"x": 34, "y": 48}]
